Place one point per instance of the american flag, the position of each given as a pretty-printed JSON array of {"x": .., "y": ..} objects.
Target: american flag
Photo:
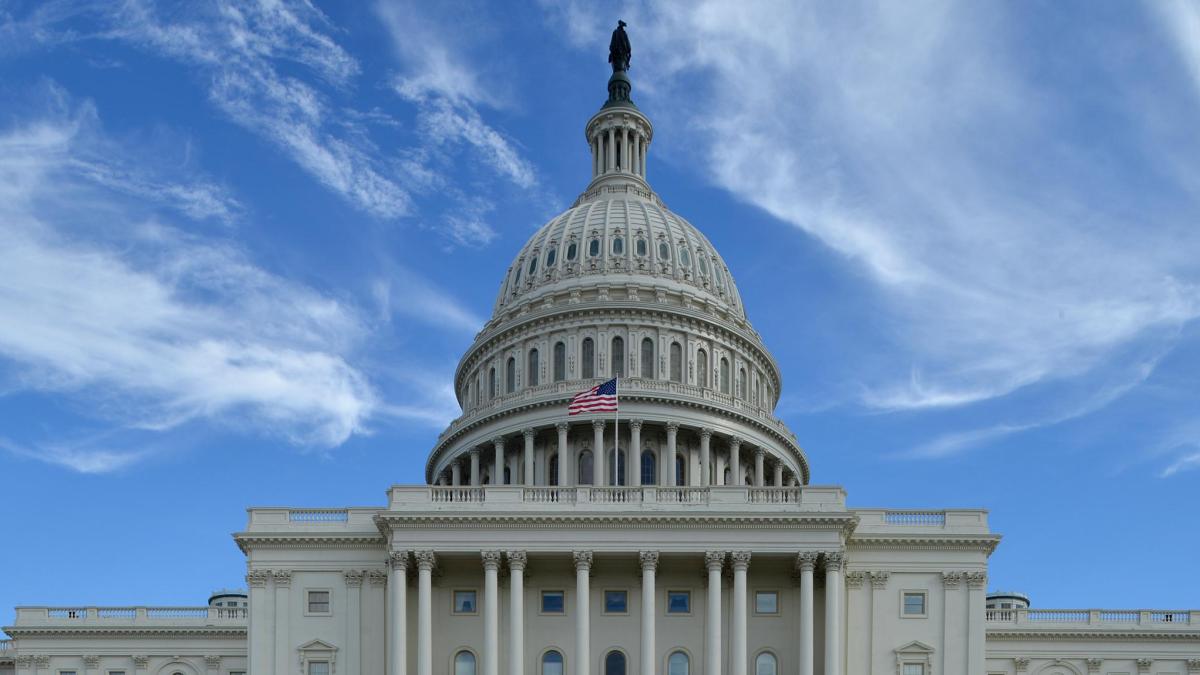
[{"x": 600, "y": 398}]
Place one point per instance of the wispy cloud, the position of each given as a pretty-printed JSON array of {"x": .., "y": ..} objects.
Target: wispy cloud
[{"x": 1186, "y": 462}]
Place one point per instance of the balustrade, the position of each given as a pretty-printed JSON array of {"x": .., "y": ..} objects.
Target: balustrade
[
  {"x": 919, "y": 518},
  {"x": 318, "y": 515},
  {"x": 1022, "y": 616},
  {"x": 457, "y": 494}
]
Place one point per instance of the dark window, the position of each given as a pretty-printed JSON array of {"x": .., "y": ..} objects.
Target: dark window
[
  {"x": 664, "y": 252},
  {"x": 560, "y": 361},
  {"x": 616, "y": 602},
  {"x": 614, "y": 663},
  {"x": 724, "y": 376},
  {"x": 585, "y": 468},
  {"x": 594, "y": 248},
  {"x": 620, "y": 469},
  {"x": 680, "y": 471},
  {"x": 491, "y": 383},
  {"x": 618, "y": 246},
  {"x": 517, "y": 279},
  {"x": 618, "y": 357},
  {"x": 318, "y": 602},
  {"x": 679, "y": 602},
  {"x": 551, "y": 256},
  {"x": 477, "y": 391},
  {"x": 532, "y": 380},
  {"x": 510, "y": 375},
  {"x": 554, "y": 602},
  {"x": 640, "y": 247},
  {"x": 532, "y": 266},
  {"x": 742, "y": 383},
  {"x": 572, "y": 250},
  {"x": 649, "y": 468},
  {"x": 676, "y": 362},
  {"x": 464, "y": 602},
  {"x": 701, "y": 368},
  {"x": 588, "y": 367},
  {"x": 647, "y": 369},
  {"x": 552, "y": 468}
]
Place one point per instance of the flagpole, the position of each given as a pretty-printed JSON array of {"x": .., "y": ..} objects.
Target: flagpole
[{"x": 616, "y": 432}]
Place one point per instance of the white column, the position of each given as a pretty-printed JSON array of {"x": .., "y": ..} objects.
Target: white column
[
  {"x": 649, "y": 561},
  {"x": 599, "y": 455},
  {"x": 714, "y": 561},
  {"x": 637, "y": 153},
  {"x": 476, "y": 479},
  {"x": 397, "y": 642},
  {"x": 644, "y": 148},
  {"x": 259, "y": 659},
  {"x": 735, "y": 460},
  {"x": 498, "y": 461},
  {"x": 516, "y": 608},
  {"x": 456, "y": 473},
  {"x": 354, "y": 580},
  {"x": 634, "y": 454},
  {"x": 491, "y": 613},
  {"x": 759, "y": 454},
  {"x": 529, "y": 435},
  {"x": 976, "y": 636},
  {"x": 283, "y": 618},
  {"x": 705, "y": 456},
  {"x": 611, "y": 155},
  {"x": 564, "y": 456},
  {"x": 806, "y": 562},
  {"x": 583, "y": 648},
  {"x": 425, "y": 562},
  {"x": 833, "y": 613},
  {"x": 778, "y": 473},
  {"x": 668, "y": 477},
  {"x": 741, "y": 563}
]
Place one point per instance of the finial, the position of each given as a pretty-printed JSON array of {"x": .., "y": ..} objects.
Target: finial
[{"x": 618, "y": 49}]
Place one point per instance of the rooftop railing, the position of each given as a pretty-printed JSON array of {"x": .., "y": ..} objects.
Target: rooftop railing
[
  {"x": 127, "y": 616},
  {"x": 1050, "y": 618},
  {"x": 6, "y": 646},
  {"x": 582, "y": 497}
]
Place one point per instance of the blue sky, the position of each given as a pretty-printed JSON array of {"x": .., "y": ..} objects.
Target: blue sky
[{"x": 245, "y": 245}]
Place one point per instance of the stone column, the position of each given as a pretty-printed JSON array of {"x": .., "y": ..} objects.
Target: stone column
[
  {"x": 283, "y": 616},
  {"x": 735, "y": 460},
  {"x": 491, "y": 613},
  {"x": 806, "y": 562},
  {"x": 91, "y": 662},
  {"x": 397, "y": 642},
  {"x": 649, "y": 561},
  {"x": 611, "y": 156},
  {"x": 599, "y": 455},
  {"x": 564, "y": 456},
  {"x": 354, "y": 579},
  {"x": 833, "y": 613},
  {"x": 425, "y": 562},
  {"x": 668, "y": 477},
  {"x": 714, "y": 561},
  {"x": 624, "y": 160},
  {"x": 976, "y": 635},
  {"x": 634, "y": 458},
  {"x": 516, "y": 609},
  {"x": 741, "y": 563},
  {"x": 705, "y": 458},
  {"x": 759, "y": 454},
  {"x": 778, "y": 473},
  {"x": 583, "y": 648},
  {"x": 637, "y": 153},
  {"x": 644, "y": 148},
  {"x": 529, "y": 436},
  {"x": 498, "y": 461},
  {"x": 259, "y": 659},
  {"x": 476, "y": 479},
  {"x": 456, "y": 473}
]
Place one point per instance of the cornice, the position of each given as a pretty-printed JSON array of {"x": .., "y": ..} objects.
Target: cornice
[
  {"x": 1089, "y": 634},
  {"x": 924, "y": 542},
  {"x": 309, "y": 540},
  {"x": 844, "y": 523}
]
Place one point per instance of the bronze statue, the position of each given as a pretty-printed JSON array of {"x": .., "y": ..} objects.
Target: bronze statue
[{"x": 618, "y": 49}]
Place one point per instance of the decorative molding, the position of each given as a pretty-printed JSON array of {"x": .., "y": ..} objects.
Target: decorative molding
[
  {"x": 517, "y": 560},
  {"x": 282, "y": 577},
  {"x": 257, "y": 578},
  {"x": 806, "y": 561},
  {"x": 1193, "y": 665},
  {"x": 140, "y": 661},
  {"x": 354, "y": 578},
  {"x": 398, "y": 560},
  {"x": 491, "y": 520},
  {"x": 491, "y": 559},
  {"x": 879, "y": 580},
  {"x": 856, "y": 579},
  {"x": 91, "y": 661},
  {"x": 706, "y": 433},
  {"x": 951, "y": 579},
  {"x": 212, "y": 661},
  {"x": 1089, "y": 634},
  {"x": 649, "y": 560},
  {"x": 714, "y": 559},
  {"x": 925, "y": 542},
  {"x": 1022, "y": 663},
  {"x": 41, "y": 661},
  {"x": 425, "y": 559},
  {"x": 975, "y": 580},
  {"x": 24, "y": 661},
  {"x": 377, "y": 577},
  {"x": 741, "y": 559},
  {"x": 250, "y": 542},
  {"x": 834, "y": 561},
  {"x": 1143, "y": 665},
  {"x": 529, "y": 433},
  {"x": 232, "y": 632},
  {"x": 1093, "y": 665},
  {"x": 583, "y": 561}
]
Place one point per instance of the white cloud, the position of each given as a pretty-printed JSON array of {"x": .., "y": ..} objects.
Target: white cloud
[{"x": 1185, "y": 462}]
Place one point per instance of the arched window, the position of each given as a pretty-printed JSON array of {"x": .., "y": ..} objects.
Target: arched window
[
  {"x": 594, "y": 248},
  {"x": 701, "y": 368},
  {"x": 618, "y": 357},
  {"x": 647, "y": 366},
  {"x": 532, "y": 379},
  {"x": 664, "y": 253},
  {"x": 492, "y": 383},
  {"x": 676, "y": 362},
  {"x": 552, "y": 663},
  {"x": 507, "y": 476},
  {"x": 620, "y": 469},
  {"x": 588, "y": 369},
  {"x": 560, "y": 361},
  {"x": 742, "y": 384},
  {"x": 640, "y": 247},
  {"x": 517, "y": 278},
  {"x": 510, "y": 376},
  {"x": 551, "y": 256},
  {"x": 618, "y": 246},
  {"x": 649, "y": 468},
  {"x": 572, "y": 250},
  {"x": 677, "y": 664},
  {"x": 680, "y": 471},
  {"x": 724, "y": 375},
  {"x": 702, "y": 263},
  {"x": 477, "y": 391},
  {"x": 685, "y": 258},
  {"x": 464, "y": 663},
  {"x": 585, "y": 468},
  {"x": 614, "y": 663},
  {"x": 552, "y": 470},
  {"x": 765, "y": 664},
  {"x": 532, "y": 266}
]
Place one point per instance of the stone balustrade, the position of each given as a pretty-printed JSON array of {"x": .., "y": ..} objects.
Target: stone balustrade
[
  {"x": 130, "y": 616},
  {"x": 1062, "y": 618},
  {"x": 6, "y": 646},
  {"x": 586, "y": 497}
]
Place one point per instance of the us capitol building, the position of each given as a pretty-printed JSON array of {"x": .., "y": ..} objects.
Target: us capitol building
[{"x": 698, "y": 545}]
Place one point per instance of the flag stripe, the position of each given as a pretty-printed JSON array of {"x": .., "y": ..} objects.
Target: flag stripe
[{"x": 600, "y": 398}]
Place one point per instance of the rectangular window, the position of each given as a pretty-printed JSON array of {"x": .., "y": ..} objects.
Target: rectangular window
[
  {"x": 464, "y": 602},
  {"x": 318, "y": 602},
  {"x": 914, "y": 603},
  {"x": 554, "y": 602},
  {"x": 914, "y": 669},
  {"x": 679, "y": 602},
  {"x": 616, "y": 602},
  {"x": 66, "y": 672},
  {"x": 766, "y": 602},
  {"x": 121, "y": 672},
  {"x": 322, "y": 668}
]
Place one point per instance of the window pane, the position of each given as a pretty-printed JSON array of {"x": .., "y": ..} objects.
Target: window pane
[
  {"x": 560, "y": 362},
  {"x": 649, "y": 467},
  {"x": 572, "y": 251},
  {"x": 553, "y": 602},
  {"x": 618, "y": 246},
  {"x": 614, "y": 663},
  {"x": 676, "y": 362},
  {"x": 679, "y": 602},
  {"x": 510, "y": 376},
  {"x": 701, "y": 368},
  {"x": 551, "y": 256},
  {"x": 532, "y": 379},
  {"x": 618, "y": 357},
  {"x": 616, "y": 602},
  {"x": 664, "y": 251},
  {"x": 641, "y": 247},
  {"x": 464, "y": 663},
  {"x": 464, "y": 602},
  {"x": 589, "y": 359},
  {"x": 647, "y": 367},
  {"x": 914, "y": 603},
  {"x": 552, "y": 663},
  {"x": 594, "y": 247},
  {"x": 585, "y": 468},
  {"x": 318, "y": 668},
  {"x": 914, "y": 669},
  {"x": 318, "y": 602},
  {"x": 766, "y": 602},
  {"x": 764, "y": 664},
  {"x": 677, "y": 664}
]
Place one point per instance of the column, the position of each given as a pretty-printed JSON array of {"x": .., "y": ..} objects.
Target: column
[
  {"x": 529, "y": 435},
  {"x": 976, "y": 589},
  {"x": 583, "y": 648},
  {"x": 610, "y": 159},
  {"x": 498, "y": 461},
  {"x": 476, "y": 479},
  {"x": 456, "y": 473},
  {"x": 714, "y": 561},
  {"x": 637, "y": 153},
  {"x": 634, "y": 459},
  {"x": 759, "y": 454},
  {"x": 778, "y": 473},
  {"x": 833, "y": 613},
  {"x": 354, "y": 579},
  {"x": 668, "y": 477},
  {"x": 705, "y": 437},
  {"x": 735, "y": 460},
  {"x": 644, "y": 148},
  {"x": 260, "y": 660},
  {"x": 595, "y": 156},
  {"x": 425, "y": 562},
  {"x": 649, "y": 561},
  {"x": 283, "y": 615},
  {"x": 516, "y": 608},
  {"x": 599, "y": 455},
  {"x": 564, "y": 456},
  {"x": 491, "y": 613},
  {"x": 397, "y": 642},
  {"x": 806, "y": 562},
  {"x": 624, "y": 159},
  {"x": 741, "y": 563}
]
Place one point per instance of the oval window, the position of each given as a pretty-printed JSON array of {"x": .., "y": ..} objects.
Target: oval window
[
  {"x": 618, "y": 246},
  {"x": 532, "y": 265},
  {"x": 594, "y": 248},
  {"x": 640, "y": 247},
  {"x": 572, "y": 250},
  {"x": 685, "y": 258},
  {"x": 551, "y": 256},
  {"x": 664, "y": 251}
]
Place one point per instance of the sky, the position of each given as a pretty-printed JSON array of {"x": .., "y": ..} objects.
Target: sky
[{"x": 245, "y": 244}]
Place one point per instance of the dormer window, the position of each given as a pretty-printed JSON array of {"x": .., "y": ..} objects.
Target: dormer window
[
  {"x": 618, "y": 246},
  {"x": 664, "y": 251},
  {"x": 685, "y": 258},
  {"x": 572, "y": 251},
  {"x": 594, "y": 248},
  {"x": 640, "y": 247},
  {"x": 551, "y": 256}
]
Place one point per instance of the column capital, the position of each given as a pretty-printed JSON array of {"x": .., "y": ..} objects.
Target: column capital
[
  {"x": 491, "y": 559},
  {"x": 856, "y": 579},
  {"x": 741, "y": 559},
  {"x": 834, "y": 561},
  {"x": 475, "y": 452},
  {"x": 24, "y": 661},
  {"x": 93, "y": 661},
  {"x": 806, "y": 561},
  {"x": 1093, "y": 665},
  {"x": 649, "y": 560},
  {"x": 282, "y": 577},
  {"x": 140, "y": 661},
  {"x": 583, "y": 560},
  {"x": 516, "y": 559},
  {"x": 735, "y": 442},
  {"x": 498, "y": 441},
  {"x": 951, "y": 579},
  {"x": 598, "y": 424},
  {"x": 879, "y": 580},
  {"x": 635, "y": 424},
  {"x": 562, "y": 426},
  {"x": 1143, "y": 665},
  {"x": 1192, "y": 664},
  {"x": 41, "y": 661},
  {"x": 354, "y": 578},
  {"x": 1022, "y": 663},
  {"x": 706, "y": 433},
  {"x": 398, "y": 560},
  {"x": 212, "y": 661},
  {"x": 760, "y": 452},
  {"x": 975, "y": 580},
  {"x": 529, "y": 433},
  {"x": 425, "y": 559},
  {"x": 672, "y": 427},
  {"x": 377, "y": 577},
  {"x": 714, "y": 560},
  {"x": 257, "y": 578}
]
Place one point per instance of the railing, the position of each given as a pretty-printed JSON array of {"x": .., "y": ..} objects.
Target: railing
[
  {"x": 458, "y": 494},
  {"x": 616, "y": 495},
  {"x": 549, "y": 495},
  {"x": 682, "y": 495},
  {"x": 519, "y": 498},
  {"x": 6, "y": 646},
  {"x": 67, "y": 612},
  {"x": 318, "y": 515},
  {"x": 774, "y": 495},
  {"x": 921, "y": 518},
  {"x": 129, "y": 615},
  {"x": 1139, "y": 617}
]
